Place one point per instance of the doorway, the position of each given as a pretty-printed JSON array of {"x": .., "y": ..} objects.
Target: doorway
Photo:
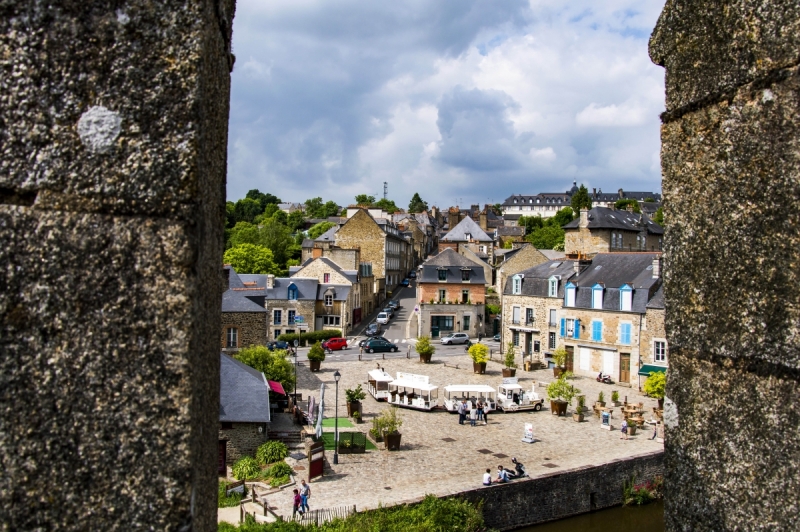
[
  {"x": 222, "y": 455},
  {"x": 570, "y": 356},
  {"x": 624, "y": 367}
]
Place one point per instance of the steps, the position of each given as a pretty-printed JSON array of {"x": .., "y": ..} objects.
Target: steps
[{"x": 290, "y": 438}]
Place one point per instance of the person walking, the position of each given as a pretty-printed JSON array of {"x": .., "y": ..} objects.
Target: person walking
[
  {"x": 479, "y": 407},
  {"x": 487, "y": 477},
  {"x": 480, "y": 337},
  {"x": 462, "y": 409},
  {"x": 486, "y": 414},
  {"x": 473, "y": 416},
  {"x": 296, "y": 502},
  {"x": 624, "y": 430},
  {"x": 305, "y": 493}
]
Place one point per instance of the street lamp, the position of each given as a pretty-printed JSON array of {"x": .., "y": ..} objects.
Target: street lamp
[
  {"x": 336, "y": 377},
  {"x": 296, "y": 343}
]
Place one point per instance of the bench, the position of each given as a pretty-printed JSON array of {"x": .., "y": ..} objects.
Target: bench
[{"x": 451, "y": 365}]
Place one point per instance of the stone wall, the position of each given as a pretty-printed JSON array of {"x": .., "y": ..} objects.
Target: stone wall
[
  {"x": 302, "y": 307},
  {"x": 252, "y": 328},
  {"x": 731, "y": 168},
  {"x": 562, "y": 494},
  {"x": 584, "y": 240},
  {"x": 362, "y": 232},
  {"x": 457, "y": 311},
  {"x": 242, "y": 439},
  {"x": 525, "y": 258},
  {"x": 428, "y": 291},
  {"x": 112, "y": 199},
  {"x": 652, "y": 329}
]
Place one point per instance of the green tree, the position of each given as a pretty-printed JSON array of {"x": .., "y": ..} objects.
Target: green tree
[
  {"x": 658, "y": 217},
  {"x": 387, "y": 205},
  {"x": 416, "y": 204},
  {"x": 648, "y": 199},
  {"x": 622, "y": 205},
  {"x": 581, "y": 200},
  {"x": 273, "y": 364},
  {"x": 245, "y": 210},
  {"x": 278, "y": 238},
  {"x": 262, "y": 199},
  {"x": 497, "y": 208},
  {"x": 317, "y": 229},
  {"x": 230, "y": 214},
  {"x": 655, "y": 385},
  {"x": 363, "y": 199},
  {"x": 530, "y": 223},
  {"x": 295, "y": 221},
  {"x": 314, "y": 208},
  {"x": 250, "y": 258},
  {"x": 547, "y": 237},
  {"x": 330, "y": 209},
  {"x": 562, "y": 217},
  {"x": 270, "y": 210},
  {"x": 244, "y": 233}
]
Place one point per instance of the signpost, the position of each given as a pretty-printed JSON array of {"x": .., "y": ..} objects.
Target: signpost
[{"x": 527, "y": 436}]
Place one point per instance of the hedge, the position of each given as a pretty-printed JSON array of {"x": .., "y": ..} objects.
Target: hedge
[{"x": 314, "y": 336}]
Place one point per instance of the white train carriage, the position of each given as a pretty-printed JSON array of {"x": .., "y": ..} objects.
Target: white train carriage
[
  {"x": 454, "y": 393},
  {"x": 413, "y": 391},
  {"x": 378, "y": 384},
  {"x": 512, "y": 398}
]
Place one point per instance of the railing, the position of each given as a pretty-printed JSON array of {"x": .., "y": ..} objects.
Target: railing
[{"x": 325, "y": 515}]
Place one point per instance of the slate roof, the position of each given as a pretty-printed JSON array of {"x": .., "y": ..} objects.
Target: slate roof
[
  {"x": 243, "y": 393},
  {"x": 308, "y": 243},
  {"x": 510, "y": 231},
  {"x": 235, "y": 301},
  {"x": 535, "y": 279},
  {"x": 306, "y": 288},
  {"x": 245, "y": 292},
  {"x": 341, "y": 291},
  {"x": 623, "y": 194},
  {"x": 465, "y": 227},
  {"x": 543, "y": 198},
  {"x": 454, "y": 262},
  {"x": 329, "y": 235},
  {"x": 552, "y": 254},
  {"x": 657, "y": 301},
  {"x": 605, "y": 218}
]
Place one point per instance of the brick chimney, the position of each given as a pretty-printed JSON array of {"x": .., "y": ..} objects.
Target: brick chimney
[
  {"x": 270, "y": 281},
  {"x": 584, "y": 218},
  {"x": 621, "y": 195}
]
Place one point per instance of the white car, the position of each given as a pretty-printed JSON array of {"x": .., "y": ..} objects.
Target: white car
[
  {"x": 382, "y": 318},
  {"x": 455, "y": 338}
]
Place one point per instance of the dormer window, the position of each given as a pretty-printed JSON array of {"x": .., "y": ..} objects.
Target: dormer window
[
  {"x": 443, "y": 274},
  {"x": 569, "y": 295},
  {"x": 465, "y": 275},
  {"x": 597, "y": 296},
  {"x": 626, "y": 297},
  {"x": 468, "y": 236},
  {"x": 326, "y": 278},
  {"x": 292, "y": 292},
  {"x": 516, "y": 285},
  {"x": 552, "y": 287}
]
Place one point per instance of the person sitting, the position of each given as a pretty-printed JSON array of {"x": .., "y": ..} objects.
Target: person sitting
[
  {"x": 519, "y": 468},
  {"x": 502, "y": 475},
  {"x": 487, "y": 477}
]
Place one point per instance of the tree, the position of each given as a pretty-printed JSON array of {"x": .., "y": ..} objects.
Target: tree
[
  {"x": 314, "y": 207},
  {"x": 329, "y": 209},
  {"x": 530, "y": 223},
  {"x": 277, "y": 237},
  {"x": 363, "y": 199},
  {"x": 273, "y": 364},
  {"x": 295, "y": 220},
  {"x": 622, "y": 205},
  {"x": 244, "y": 233},
  {"x": 245, "y": 210},
  {"x": 416, "y": 204},
  {"x": 262, "y": 199},
  {"x": 655, "y": 384},
  {"x": 497, "y": 208},
  {"x": 547, "y": 237},
  {"x": 581, "y": 200},
  {"x": 230, "y": 214},
  {"x": 509, "y": 244},
  {"x": 658, "y": 217},
  {"x": 250, "y": 258},
  {"x": 562, "y": 217},
  {"x": 387, "y": 205},
  {"x": 317, "y": 229}
]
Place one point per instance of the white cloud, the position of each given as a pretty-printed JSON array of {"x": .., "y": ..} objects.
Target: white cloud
[
  {"x": 611, "y": 116},
  {"x": 544, "y": 154}
]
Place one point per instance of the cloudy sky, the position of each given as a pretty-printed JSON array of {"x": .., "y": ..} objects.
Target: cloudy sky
[{"x": 462, "y": 101}]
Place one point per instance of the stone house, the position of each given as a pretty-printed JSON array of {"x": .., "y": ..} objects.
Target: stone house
[
  {"x": 467, "y": 234},
  {"x": 347, "y": 259},
  {"x": 653, "y": 351},
  {"x": 244, "y": 318},
  {"x": 479, "y": 258},
  {"x": 338, "y": 297},
  {"x": 508, "y": 234},
  {"x": 603, "y": 230},
  {"x": 609, "y": 199},
  {"x": 515, "y": 260},
  {"x": 244, "y": 411},
  {"x": 544, "y": 204},
  {"x": 290, "y": 305},
  {"x": 451, "y": 295}
]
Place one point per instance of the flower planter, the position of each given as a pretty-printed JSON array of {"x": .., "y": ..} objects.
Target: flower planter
[
  {"x": 315, "y": 364},
  {"x": 479, "y": 368},
  {"x": 355, "y": 406},
  {"x": 509, "y": 372},
  {"x": 558, "y": 408},
  {"x": 425, "y": 359},
  {"x": 577, "y": 417},
  {"x": 601, "y": 404},
  {"x": 557, "y": 371},
  {"x": 392, "y": 441},
  {"x": 631, "y": 429}
]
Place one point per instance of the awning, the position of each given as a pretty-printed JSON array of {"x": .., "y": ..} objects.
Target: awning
[
  {"x": 647, "y": 369},
  {"x": 276, "y": 387}
]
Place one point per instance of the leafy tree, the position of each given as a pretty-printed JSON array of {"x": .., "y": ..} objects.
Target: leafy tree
[
  {"x": 295, "y": 220},
  {"x": 244, "y": 233},
  {"x": 658, "y": 217},
  {"x": 230, "y": 215},
  {"x": 387, "y": 205},
  {"x": 273, "y": 364},
  {"x": 270, "y": 210},
  {"x": 245, "y": 210},
  {"x": 363, "y": 199},
  {"x": 562, "y": 217},
  {"x": 497, "y": 208},
  {"x": 581, "y": 200},
  {"x": 251, "y": 258},
  {"x": 509, "y": 244},
  {"x": 314, "y": 207},
  {"x": 622, "y": 205},
  {"x": 279, "y": 216},
  {"x": 262, "y": 199},
  {"x": 330, "y": 209},
  {"x": 278, "y": 238},
  {"x": 546, "y": 237},
  {"x": 317, "y": 229},
  {"x": 655, "y": 385},
  {"x": 649, "y": 200},
  {"x": 416, "y": 204},
  {"x": 530, "y": 223}
]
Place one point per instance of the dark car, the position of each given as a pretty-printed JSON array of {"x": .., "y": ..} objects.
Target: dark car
[
  {"x": 379, "y": 345},
  {"x": 389, "y": 311},
  {"x": 496, "y": 338},
  {"x": 404, "y": 282},
  {"x": 373, "y": 329},
  {"x": 280, "y": 344},
  {"x": 394, "y": 304}
]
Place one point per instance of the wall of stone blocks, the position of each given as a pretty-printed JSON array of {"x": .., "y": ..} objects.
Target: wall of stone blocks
[
  {"x": 362, "y": 232},
  {"x": 428, "y": 291},
  {"x": 653, "y": 328},
  {"x": 457, "y": 311},
  {"x": 525, "y": 258},
  {"x": 242, "y": 440},
  {"x": 252, "y": 328},
  {"x": 731, "y": 190},
  {"x": 302, "y": 307}
]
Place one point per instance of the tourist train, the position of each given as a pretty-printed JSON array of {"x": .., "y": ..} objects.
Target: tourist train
[
  {"x": 512, "y": 398},
  {"x": 454, "y": 393}
]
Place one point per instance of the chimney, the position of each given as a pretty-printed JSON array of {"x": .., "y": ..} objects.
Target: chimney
[
  {"x": 620, "y": 194},
  {"x": 657, "y": 267},
  {"x": 594, "y": 192},
  {"x": 226, "y": 278},
  {"x": 270, "y": 281},
  {"x": 584, "y": 218},
  {"x": 629, "y": 208}
]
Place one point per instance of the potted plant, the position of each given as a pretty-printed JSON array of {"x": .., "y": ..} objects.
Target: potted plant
[
  {"x": 560, "y": 359},
  {"x": 354, "y": 396},
  {"x": 601, "y": 400},
  {"x": 510, "y": 368},
  {"x": 425, "y": 349},
  {"x": 376, "y": 432},
  {"x": 654, "y": 386},
  {"x": 479, "y": 354},
  {"x": 632, "y": 427},
  {"x": 578, "y": 415},
  {"x": 615, "y": 397},
  {"x": 315, "y": 356},
  {"x": 391, "y": 428},
  {"x": 345, "y": 446},
  {"x": 561, "y": 393},
  {"x": 357, "y": 417}
]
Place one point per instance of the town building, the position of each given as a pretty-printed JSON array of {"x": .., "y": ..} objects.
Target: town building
[
  {"x": 544, "y": 204},
  {"x": 244, "y": 320},
  {"x": 291, "y": 304},
  {"x": 609, "y": 199},
  {"x": 338, "y": 295},
  {"x": 467, "y": 234},
  {"x": 522, "y": 257},
  {"x": 603, "y": 230}
]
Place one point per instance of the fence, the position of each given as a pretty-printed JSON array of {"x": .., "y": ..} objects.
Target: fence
[{"x": 326, "y": 514}]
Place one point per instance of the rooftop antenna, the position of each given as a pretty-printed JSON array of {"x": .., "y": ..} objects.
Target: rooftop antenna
[{"x": 385, "y": 189}]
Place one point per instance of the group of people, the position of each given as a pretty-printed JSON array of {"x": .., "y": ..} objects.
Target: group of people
[
  {"x": 476, "y": 413},
  {"x": 300, "y": 501},
  {"x": 505, "y": 475}
]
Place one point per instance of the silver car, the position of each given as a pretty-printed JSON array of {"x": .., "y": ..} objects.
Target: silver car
[{"x": 455, "y": 338}]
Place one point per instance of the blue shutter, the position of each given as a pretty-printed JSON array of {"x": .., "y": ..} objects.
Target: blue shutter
[
  {"x": 563, "y": 327},
  {"x": 597, "y": 331},
  {"x": 576, "y": 332},
  {"x": 626, "y": 334}
]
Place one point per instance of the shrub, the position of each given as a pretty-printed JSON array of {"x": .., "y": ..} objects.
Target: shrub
[
  {"x": 391, "y": 420},
  {"x": 280, "y": 469},
  {"x": 354, "y": 395},
  {"x": 279, "y": 481},
  {"x": 273, "y": 364},
  {"x": 246, "y": 468},
  {"x": 271, "y": 451},
  {"x": 581, "y": 403},
  {"x": 479, "y": 353},
  {"x": 509, "y": 359},
  {"x": 316, "y": 353},
  {"x": 639, "y": 494},
  {"x": 492, "y": 309},
  {"x": 601, "y": 398},
  {"x": 655, "y": 384},
  {"x": 424, "y": 346},
  {"x": 313, "y": 336},
  {"x": 561, "y": 390},
  {"x": 227, "y": 501},
  {"x": 560, "y": 357},
  {"x": 615, "y": 395}
]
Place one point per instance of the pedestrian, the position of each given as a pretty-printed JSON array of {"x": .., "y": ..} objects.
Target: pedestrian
[
  {"x": 296, "y": 502},
  {"x": 361, "y": 351},
  {"x": 473, "y": 416},
  {"x": 486, "y": 414},
  {"x": 655, "y": 431},
  {"x": 624, "y": 430},
  {"x": 305, "y": 493},
  {"x": 502, "y": 476},
  {"x": 487, "y": 477},
  {"x": 480, "y": 409},
  {"x": 480, "y": 336},
  {"x": 462, "y": 410},
  {"x": 408, "y": 351}
]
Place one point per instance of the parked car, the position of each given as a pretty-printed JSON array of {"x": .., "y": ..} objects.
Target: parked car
[
  {"x": 412, "y": 275},
  {"x": 404, "y": 282},
  {"x": 496, "y": 338},
  {"x": 373, "y": 329},
  {"x": 379, "y": 345},
  {"x": 382, "y": 318},
  {"x": 394, "y": 304},
  {"x": 279, "y": 344},
  {"x": 335, "y": 344},
  {"x": 455, "y": 338},
  {"x": 389, "y": 311}
]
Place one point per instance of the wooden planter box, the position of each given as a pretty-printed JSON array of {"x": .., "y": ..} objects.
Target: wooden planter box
[
  {"x": 315, "y": 364},
  {"x": 425, "y": 359},
  {"x": 392, "y": 441},
  {"x": 355, "y": 406},
  {"x": 557, "y": 371},
  {"x": 558, "y": 408},
  {"x": 353, "y": 449},
  {"x": 479, "y": 368},
  {"x": 509, "y": 372},
  {"x": 577, "y": 417}
]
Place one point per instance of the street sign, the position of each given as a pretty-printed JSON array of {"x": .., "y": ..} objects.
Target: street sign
[
  {"x": 299, "y": 319},
  {"x": 416, "y": 309},
  {"x": 296, "y": 343}
]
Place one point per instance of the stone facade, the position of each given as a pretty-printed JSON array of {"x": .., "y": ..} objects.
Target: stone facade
[
  {"x": 454, "y": 292},
  {"x": 301, "y": 307},
  {"x": 347, "y": 310},
  {"x": 538, "y": 329},
  {"x": 579, "y": 238},
  {"x": 464, "y": 318},
  {"x": 251, "y": 329},
  {"x": 653, "y": 332},
  {"x": 241, "y": 439},
  {"x": 729, "y": 153},
  {"x": 488, "y": 270},
  {"x": 526, "y": 257}
]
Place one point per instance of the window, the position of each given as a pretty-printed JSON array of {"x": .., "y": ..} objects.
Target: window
[
  {"x": 528, "y": 316},
  {"x": 551, "y": 341},
  {"x": 331, "y": 320},
  {"x": 597, "y": 296},
  {"x": 516, "y": 285},
  {"x": 660, "y": 351},
  {"x": 613, "y": 240},
  {"x": 625, "y": 334},
  {"x": 569, "y": 295},
  {"x": 482, "y": 249},
  {"x": 466, "y": 322},
  {"x": 276, "y": 317},
  {"x": 597, "y": 331},
  {"x": 552, "y": 317},
  {"x": 625, "y": 297},
  {"x": 442, "y": 275},
  {"x": 292, "y": 292},
  {"x": 277, "y": 333},
  {"x": 515, "y": 338},
  {"x": 232, "y": 336},
  {"x": 465, "y": 275},
  {"x": 442, "y": 295},
  {"x": 226, "y": 425},
  {"x": 328, "y": 300},
  {"x": 291, "y": 314},
  {"x": 515, "y": 316},
  {"x": 464, "y": 296},
  {"x": 552, "y": 287}
]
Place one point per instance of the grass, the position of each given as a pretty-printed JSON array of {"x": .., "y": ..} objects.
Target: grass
[
  {"x": 327, "y": 437},
  {"x": 343, "y": 422}
]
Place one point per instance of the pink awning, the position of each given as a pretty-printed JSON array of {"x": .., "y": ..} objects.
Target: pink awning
[{"x": 276, "y": 387}]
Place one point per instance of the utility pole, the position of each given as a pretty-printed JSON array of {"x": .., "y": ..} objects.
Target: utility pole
[{"x": 385, "y": 189}]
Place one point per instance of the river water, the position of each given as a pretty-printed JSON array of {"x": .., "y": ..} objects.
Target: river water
[{"x": 647, "y": 518}]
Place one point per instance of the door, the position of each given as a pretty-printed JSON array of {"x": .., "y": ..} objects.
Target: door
[
  {"x": 570, "y": 356},
  {"x": 222, "y": 450},
  {"x": 624, "y": 367}
]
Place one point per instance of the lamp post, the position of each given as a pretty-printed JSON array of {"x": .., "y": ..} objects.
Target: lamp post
[
  {"x": 296, "y": 343},
  {"x": 336, "y": 377}
]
